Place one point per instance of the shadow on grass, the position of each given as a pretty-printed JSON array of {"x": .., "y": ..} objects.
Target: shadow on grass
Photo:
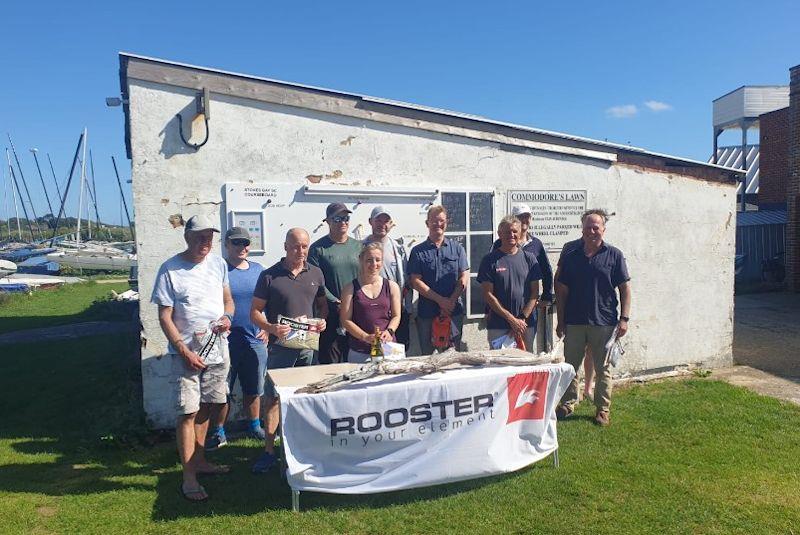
[{"x": 77, "y": 428}]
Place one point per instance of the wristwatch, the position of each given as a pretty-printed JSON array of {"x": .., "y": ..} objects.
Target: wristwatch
[
  {"x": 391, "y": 331},
  {"x": 229, "y": 316},
  {"x": 624, "y": 318}
]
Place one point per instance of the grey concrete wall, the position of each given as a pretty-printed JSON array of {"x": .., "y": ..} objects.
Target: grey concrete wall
[{"x": 676, "y": 232}]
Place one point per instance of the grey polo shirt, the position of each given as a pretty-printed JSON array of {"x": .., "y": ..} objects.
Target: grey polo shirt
[
  {"x": 289, "y": 295},
  {"x": 511, "y": 277}
]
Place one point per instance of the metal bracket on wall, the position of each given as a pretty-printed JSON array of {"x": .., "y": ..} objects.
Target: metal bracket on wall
[{"x": 202, "y": 107}]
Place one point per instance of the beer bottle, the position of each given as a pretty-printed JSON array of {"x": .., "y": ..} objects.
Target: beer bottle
[{"x": 375, "y": 350}]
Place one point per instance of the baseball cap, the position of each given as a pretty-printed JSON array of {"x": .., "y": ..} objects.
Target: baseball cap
[
  {"x": 335, "y": 208},
  {"x": 199, "y": 222},
  {"x": 520, "y": 209},
  {"x": 378, "y": 210},
  {"x": 237, "y": 233}
]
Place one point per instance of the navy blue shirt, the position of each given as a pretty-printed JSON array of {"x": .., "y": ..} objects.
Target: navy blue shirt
[
  {"x": 511, "y": 277},
  {"x": 536, "y": 247},
  {"x": 439, "y": 268},
  {"x": 592, "y": 284},
  {"x": 242, "y": 283}
]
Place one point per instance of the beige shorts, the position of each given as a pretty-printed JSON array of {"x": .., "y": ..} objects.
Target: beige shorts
[{"x": 192, "y": 387}]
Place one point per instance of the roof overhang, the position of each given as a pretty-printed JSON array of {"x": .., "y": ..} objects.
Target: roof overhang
[{"x": 508, "y": 135}]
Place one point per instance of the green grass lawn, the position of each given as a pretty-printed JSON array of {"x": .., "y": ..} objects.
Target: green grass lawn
[
  {"x": 69, "y": 304},
  {"x": 696, "y": 456}
]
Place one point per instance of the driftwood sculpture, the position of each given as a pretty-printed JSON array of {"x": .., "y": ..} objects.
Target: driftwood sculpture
[{"x": 430, "y": 364}]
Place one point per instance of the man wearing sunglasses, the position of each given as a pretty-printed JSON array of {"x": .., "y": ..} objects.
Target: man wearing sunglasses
[
  {"x": 337, "y": 256},
  {"x": 246, "y": 342}
]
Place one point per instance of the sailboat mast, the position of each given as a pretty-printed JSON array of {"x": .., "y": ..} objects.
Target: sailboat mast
[
  {"x": 83, "y": 178},
  {"x": 55, "y": 180},
  {"x": 27, "y": 191},
  {"x": 41, "y": 178},
  {"x": 24, "y": 210}
]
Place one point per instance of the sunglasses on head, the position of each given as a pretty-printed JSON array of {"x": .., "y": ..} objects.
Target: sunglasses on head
[
  {"x": 341, "y": 219},
  {"x": 240, "y": 242}
]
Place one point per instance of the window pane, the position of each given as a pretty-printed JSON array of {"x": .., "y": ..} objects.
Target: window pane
[
  {"x": 480, "y": 246},
  {"x": 460, "y": 238},
  {"x": 480, "y": 212},
  {"x": 477, "y": 306},
  {"x": 456, "y": 205}
]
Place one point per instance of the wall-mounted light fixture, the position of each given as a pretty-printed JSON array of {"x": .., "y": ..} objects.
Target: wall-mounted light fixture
[
  {"x": 202, "y": 107},
  {"x": 113, "y": 102}
]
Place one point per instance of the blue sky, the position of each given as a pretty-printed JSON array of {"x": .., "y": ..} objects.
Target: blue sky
[{"x": 584, "y": 68}]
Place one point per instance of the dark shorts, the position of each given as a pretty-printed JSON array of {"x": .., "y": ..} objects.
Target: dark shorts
[
  {"x": 283, "y": 357},
  {"x": 249, "y": 364}
]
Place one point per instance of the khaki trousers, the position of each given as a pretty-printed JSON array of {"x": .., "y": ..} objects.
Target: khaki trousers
[{"x": 576, "y": 339}]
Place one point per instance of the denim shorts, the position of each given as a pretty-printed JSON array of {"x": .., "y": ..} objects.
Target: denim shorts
[
  {"x": 249, "y": 365},
  {"x": 284, "y": 357}
]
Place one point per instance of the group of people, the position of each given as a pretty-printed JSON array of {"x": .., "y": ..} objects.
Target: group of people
[{"x": 360, "y": 294}]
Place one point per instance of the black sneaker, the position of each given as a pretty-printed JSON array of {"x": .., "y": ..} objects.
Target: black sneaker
[
  {"x": 563, "y": 412},
  {"x": 216, "y": 441}
]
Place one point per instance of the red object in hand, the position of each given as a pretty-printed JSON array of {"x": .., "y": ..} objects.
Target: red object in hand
[
  {"x": 520, "y": 342},
  {"x": 440, "y": 332}
]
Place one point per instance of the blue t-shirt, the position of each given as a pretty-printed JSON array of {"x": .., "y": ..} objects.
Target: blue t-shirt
[
  {"x": 439, "y": 268},
  {"x": 243, "y": 282},
  {"x": 592, "y": 284}
]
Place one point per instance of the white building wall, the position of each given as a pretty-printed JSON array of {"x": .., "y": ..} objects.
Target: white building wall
[{"x": 677, "y": 232}]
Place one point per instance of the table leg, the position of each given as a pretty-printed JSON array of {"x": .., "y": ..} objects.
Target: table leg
[
  {"x": 555, "y": 458},
  {"x": 296, "y": 501}
]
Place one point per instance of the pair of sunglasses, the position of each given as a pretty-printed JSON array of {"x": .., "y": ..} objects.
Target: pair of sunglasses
[
  {"x": 341, "y": 219},
  {"x": 240, "y": 242}
]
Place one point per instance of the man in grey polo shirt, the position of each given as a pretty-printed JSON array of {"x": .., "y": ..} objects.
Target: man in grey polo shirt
[
  {"x": 194, "y": 307},
  {"x": 290, "y": 288},
  {"x": 588, "y": 281},
  {"x": 394, "y": 265}
]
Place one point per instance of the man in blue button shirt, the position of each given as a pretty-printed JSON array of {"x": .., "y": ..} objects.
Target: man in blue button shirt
[
  {"x": 439, "y": 271},
  {"x": 587, "y": 303}
]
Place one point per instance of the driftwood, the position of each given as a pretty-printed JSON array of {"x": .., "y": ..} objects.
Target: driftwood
[{"x": 427, "y": 365}]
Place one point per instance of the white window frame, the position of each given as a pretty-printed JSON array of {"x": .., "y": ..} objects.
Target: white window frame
[{"x": 467, "y": 233}]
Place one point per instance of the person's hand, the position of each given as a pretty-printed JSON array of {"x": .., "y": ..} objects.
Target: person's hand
[
  {"x": 518, "y": 326},
  {"x": 222, "y": 325},
  {"x": 447, "y": 305},
  {"x": 560, "y": 330},
  {"x": 622, "y": 328},
  {"x": 281, "y": 331},
  {"x": 191, "y": 358},
  {"x": 386, "y": 336},
  {"x": 322, "y": 325},
  {"x": 262, "y": 335},
  {"x": 368, "y": 338}
]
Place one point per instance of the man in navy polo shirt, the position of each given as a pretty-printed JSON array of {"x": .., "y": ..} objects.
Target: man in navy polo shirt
[
  {"x": 509, "y": 277},
  {"x": 589, "y": 278},
  {"x": 439, "y": 271}
]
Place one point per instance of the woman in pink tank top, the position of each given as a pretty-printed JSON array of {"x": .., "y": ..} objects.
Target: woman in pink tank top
[{"x": 369, "y": 302}]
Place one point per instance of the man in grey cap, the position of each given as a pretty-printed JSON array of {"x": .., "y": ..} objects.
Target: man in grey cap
[
  {"x": 337, "y": 256},
  {"x": 195, "y": 309},
  {"x": 395, "y": 262},
  {"x": 247, "y": 343}
]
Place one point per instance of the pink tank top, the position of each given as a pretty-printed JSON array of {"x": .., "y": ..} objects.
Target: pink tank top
[{"x": 370, "y": 313}]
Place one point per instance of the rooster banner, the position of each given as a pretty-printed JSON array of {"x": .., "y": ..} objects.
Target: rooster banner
[{"x": 400, "y": 432}]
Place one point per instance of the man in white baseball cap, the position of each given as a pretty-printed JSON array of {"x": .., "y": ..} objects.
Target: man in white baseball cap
[
  {"x": 195, "y": 308},
  {"x": 395, "y": 261}
]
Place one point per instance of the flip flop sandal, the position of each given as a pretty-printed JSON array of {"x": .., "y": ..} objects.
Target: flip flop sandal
[
  {"x": 191, "y": 495},
  {"x": 218, "y": 470}
]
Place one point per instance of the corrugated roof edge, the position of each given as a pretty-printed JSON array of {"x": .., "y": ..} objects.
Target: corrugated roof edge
[
  {"x": 125, "y": 56},
  {"x": 748, "y": 85}
]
